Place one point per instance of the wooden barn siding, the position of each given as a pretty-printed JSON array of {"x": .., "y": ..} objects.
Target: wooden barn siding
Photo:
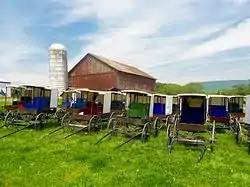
[
  {"x": 92, "y": 74},
  {"x": 129, "y": 81},
  {"x": 102, "y": 81},
  {"x": 90, "y": 65}
]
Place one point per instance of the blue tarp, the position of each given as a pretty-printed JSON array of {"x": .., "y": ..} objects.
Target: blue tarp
[
  {"x": 38, "y": 103},
  {"x": 218, "y": 111},
  {"x": 193, "y": 115},
  {"x": 159, "y": 109}
]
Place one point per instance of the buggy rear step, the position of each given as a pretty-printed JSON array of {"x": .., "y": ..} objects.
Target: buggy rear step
[
  {"x": 75, "y": 125},
  {"x": 190, "y": 141},
  {"x": 222, "y": 128}
]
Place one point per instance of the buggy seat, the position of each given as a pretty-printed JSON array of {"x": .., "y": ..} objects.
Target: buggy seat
[
  {"x": 137, "y": 110},
  {"x": 91, "y": 109},
  {"x": 218, "y": 113},
  {"x": 159, "y": 109},
  {"x": 37, "y": 103},
  {"x": 117, "y": 105},
  {"x": 234, "y": 108},
  {"x": 80, "y": 103},
  {"x": 193, "y": 115}
]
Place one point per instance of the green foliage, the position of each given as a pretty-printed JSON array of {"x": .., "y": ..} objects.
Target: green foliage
[
  {"x": 221, "y": 85},
  {"x": 236, "y": 90},
  {"x": 172, "y": 89},
  {"x": 27, "y": 160}
]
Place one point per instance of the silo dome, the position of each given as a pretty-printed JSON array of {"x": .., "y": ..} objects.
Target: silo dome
[
  {"x": 58, "y": 74},
  {"x": 57, "y": 46}
]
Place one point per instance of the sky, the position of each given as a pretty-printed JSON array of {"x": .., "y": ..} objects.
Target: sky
[{"x": 177, "y": 41}]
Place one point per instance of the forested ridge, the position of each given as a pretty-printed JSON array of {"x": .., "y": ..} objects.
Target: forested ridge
[{"x": 169, "y": 88}]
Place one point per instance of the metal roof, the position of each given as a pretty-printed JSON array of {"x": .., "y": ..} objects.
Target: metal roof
[
  {"x": 32, "y": 86},
  {"x": 237, "y": 96},
  {"x": 4, "y": 82},
  {"x": 90, "y": 91},
  {"x": 123, "y": 67},
  {"x": 222, "y": 96},
  {"x": 115, "y": 92},
  {"x": 71, "y": 91},
  {"x": 135, "y": 92},
  {"x": 12, "y": 86},
  {"x": 161, "y": 95},
  {"x": 191, "y": 95},
  {"x": 118, "y": 66}
]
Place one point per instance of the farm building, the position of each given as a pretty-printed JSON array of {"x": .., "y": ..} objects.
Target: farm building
[{"x": 99, "y": 73}]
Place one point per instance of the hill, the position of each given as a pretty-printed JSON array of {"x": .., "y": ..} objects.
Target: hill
[{"x": 223, "y": 84}]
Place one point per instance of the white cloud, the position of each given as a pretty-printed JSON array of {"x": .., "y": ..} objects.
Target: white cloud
[
  {"x": 112, "y": 12},
  {"x": 234, "y": 37},
  {"x": 137, "y": 33},
  {"x": 134, "y": 34},
  {"x": 141, "y": 33}
]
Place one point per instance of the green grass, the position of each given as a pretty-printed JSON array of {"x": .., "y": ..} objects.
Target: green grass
[{"x": 27, "y": 160}]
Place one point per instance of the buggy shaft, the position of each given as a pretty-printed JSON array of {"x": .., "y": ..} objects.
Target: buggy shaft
[
  {"x": 106, "y": 136},
  {"x": 15, "y": 132},
  {"x": 128, "y": 140},
  {"x": 74, "y": 133}
]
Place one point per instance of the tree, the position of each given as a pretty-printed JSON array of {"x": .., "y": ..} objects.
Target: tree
[
  {"x": 193, "y": 87},
  {"x": 173, "y": 89}
]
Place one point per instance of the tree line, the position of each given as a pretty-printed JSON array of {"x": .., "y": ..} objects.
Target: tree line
[{"x": 173, "y": 89}]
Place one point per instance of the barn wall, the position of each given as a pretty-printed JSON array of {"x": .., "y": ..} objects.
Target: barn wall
[
  {"x": 93, "y": 74},
  {"x": 102, "y": 81},
  {"x": 129, "y": 81},
  {"x": 90, "y": 65}
]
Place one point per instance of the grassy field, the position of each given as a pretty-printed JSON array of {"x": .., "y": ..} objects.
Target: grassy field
[{"x": 28, "y": 160}]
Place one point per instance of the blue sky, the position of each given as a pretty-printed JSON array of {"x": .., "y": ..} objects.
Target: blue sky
[{"x": 176, "y": 41}]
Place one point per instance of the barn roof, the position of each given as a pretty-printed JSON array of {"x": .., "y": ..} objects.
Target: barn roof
[{"x": 118, "y": 66}]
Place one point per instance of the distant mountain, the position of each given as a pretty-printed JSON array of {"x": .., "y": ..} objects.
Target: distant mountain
[{"x": 218, "y": 85}]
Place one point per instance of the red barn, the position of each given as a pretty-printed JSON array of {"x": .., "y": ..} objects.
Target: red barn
[{"x": 99, "y": 73}]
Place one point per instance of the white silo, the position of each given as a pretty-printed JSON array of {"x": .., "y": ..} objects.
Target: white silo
[{"x": 58, "y": 71}]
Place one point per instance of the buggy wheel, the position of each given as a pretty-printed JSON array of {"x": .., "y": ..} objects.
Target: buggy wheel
[
  {"x": 59, "y": 114},
  {"x": 93, "y": 123},
  {"x": 66, "y": 116},
  {"x": 66, "y": 125},
  {"x": 166, "y": 123},
  {"x": 171, "y": 134},
  {"x": 112, "y": 115},
  {"x": 145, "y": 132},
  {"x": 40, "y": 120},
  {"x": 212, "y": 139},
  {"x": 112, "y": 123},
  {"x": 238, "y": 133},
  {"x": 155, "y": 127},
  {"x": 8, "y": 119}
]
